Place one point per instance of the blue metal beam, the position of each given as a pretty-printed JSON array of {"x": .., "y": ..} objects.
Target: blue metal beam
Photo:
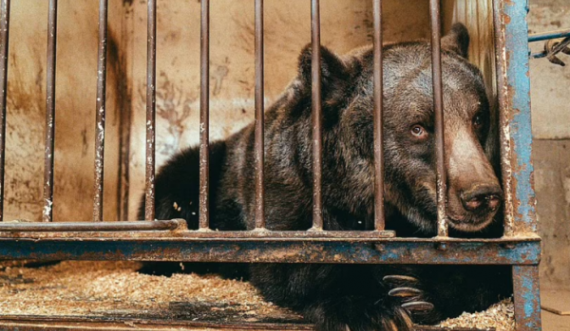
[{"x": 496, "y": 252}]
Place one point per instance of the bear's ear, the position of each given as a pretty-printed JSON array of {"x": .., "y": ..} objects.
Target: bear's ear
[
  {"x": 457, "y": 40},
  {"x": 334, "y": 72}
]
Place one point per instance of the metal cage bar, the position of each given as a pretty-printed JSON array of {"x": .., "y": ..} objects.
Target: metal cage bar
[
  {"x": 526, "y": 289},
  {"x": 504, "y": 129},
  {"x": 50, "y": 111},
  {"x": 317, "y": 130},
  {"x": 204, "y": 218},
  {"x": 513, "y": 81},
  {"x": 435, "y": 11},
  {"x": 100, "y": 114},
  {"x": 150, "y": 110},
  {"x": 259, "y": 118},
  {"x": 379, "y": 214},
  {"x": 4, "y": 43}
]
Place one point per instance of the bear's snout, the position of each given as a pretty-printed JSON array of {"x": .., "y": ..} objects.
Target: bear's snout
[
  {"x": 474, "y": 193},
  {"x": 482, "y": 198}
]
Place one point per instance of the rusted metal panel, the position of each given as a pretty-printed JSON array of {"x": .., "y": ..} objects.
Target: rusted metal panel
[
  {"x": 260, "y": 250},
  {"x": 527, "y": 298}
]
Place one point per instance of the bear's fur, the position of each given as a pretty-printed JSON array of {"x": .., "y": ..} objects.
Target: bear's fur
[{"x": 335, "y": 297}]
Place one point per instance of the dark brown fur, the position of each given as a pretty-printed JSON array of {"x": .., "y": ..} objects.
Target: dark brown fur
[{"x": 354, "y": 296}]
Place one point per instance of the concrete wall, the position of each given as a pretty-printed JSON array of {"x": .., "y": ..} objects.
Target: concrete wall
[{"x": 551, "y": 129}]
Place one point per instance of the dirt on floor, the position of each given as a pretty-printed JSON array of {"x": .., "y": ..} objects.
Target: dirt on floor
[{"x": 116, "y": 289}]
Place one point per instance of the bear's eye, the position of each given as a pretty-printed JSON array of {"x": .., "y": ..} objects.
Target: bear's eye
[
  {"x": 478, "y": 121},
  {"x": 419, "y": 132}
]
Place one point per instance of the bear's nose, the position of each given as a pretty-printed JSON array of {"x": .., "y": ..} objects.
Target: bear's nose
[{"x": 482, "y": 198}]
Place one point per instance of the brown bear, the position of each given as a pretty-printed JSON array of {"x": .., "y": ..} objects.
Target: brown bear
[{"x": 361, "y": 297}]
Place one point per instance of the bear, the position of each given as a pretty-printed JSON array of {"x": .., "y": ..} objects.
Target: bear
[{"x": 361, "y": 297}]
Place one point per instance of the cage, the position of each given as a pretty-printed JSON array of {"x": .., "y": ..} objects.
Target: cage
[{"x": 233, "y": 58}]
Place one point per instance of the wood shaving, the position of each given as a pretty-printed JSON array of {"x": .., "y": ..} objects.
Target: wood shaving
[
  {"x": 500, "y": 316},
  {"x": 85, "y": 288}
]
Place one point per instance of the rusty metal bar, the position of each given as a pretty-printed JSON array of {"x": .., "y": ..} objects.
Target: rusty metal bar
[
  {"x": 98, "y": 323},
  {"x": 121, "y": 323},
  {"x": 50, "y": 111},
  {"x": 4, "y": 43},
  {"x": 526, "y": 289},
  {"x": 317, "y": 118},
  {"x": 379, "y": 214},
  {"x": 442, "y": 229},
  {"x": 100, "y": 112},
  {"x": 259, "y": 118},
  {"x": 549, "y": 35},
  {"x": 91, "y": 226},
  {"x": 204, "y": 218},
  {"x": 173, "y": 246},
  {"x": 27, "y": 229},
  {"x": 150, "y": 110},
  {"x": 504, "y": 128}
]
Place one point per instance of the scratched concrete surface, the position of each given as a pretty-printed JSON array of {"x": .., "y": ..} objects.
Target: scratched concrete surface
[{"x": 551, "y": 128}]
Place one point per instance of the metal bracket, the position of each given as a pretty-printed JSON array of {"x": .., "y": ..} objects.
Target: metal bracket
[{"x": 552, "y": 47}]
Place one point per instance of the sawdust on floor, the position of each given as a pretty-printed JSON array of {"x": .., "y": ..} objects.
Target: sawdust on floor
[{"x": 85, "y": 288}]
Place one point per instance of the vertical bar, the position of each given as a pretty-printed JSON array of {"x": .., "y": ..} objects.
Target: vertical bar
[
  {"x": 50, "y": 111},
  {"x": 150, "y": 109},
  {"x": 317, "y": 115},
  {"x": 204, "y": 220},
  {"x": 438, "y": 108},
  {"x": 100, "y": 110},
  {"x": 513, "y": 87},
  {"x": 4, "y": 42},
  {"x": 504, "y": 129},
  {"x": 259, "y": 118},
  {"x": 527, "y": 298},
  {"x": 379, "y": 221}
]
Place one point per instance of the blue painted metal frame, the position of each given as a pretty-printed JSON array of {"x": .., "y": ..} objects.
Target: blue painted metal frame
[
  {"x": 402, "y": 251},
  {"x": 517, "y": 89},
  {"x": 518, "y": 93}
]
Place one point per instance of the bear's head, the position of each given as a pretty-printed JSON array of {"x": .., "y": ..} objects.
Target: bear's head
[{"x": 474, "y": 194}]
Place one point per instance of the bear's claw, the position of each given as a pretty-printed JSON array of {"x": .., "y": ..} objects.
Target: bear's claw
[
  {"x": 404, "y": 292},
  {"x": 411, "y": 298},
  {"x": 418, "y": 307},
  {"x": 400, "y": 279}
]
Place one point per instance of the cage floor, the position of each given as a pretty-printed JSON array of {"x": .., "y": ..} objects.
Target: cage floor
[{"x": 107, "y": 292}]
